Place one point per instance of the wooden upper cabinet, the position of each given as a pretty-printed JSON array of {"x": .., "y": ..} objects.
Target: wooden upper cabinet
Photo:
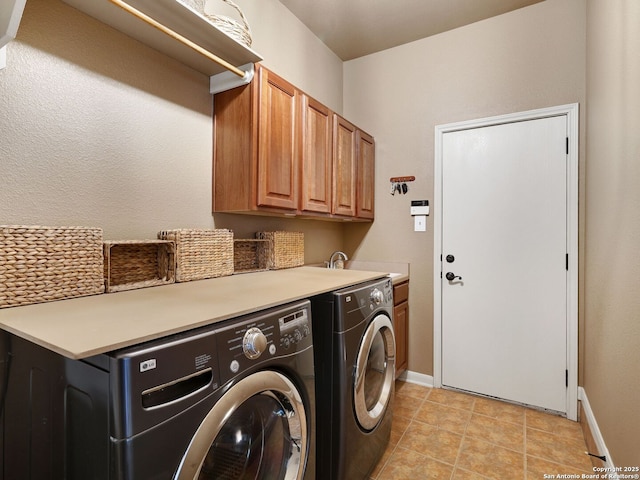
[
  {"x": 344, "y": 167},
  {"x": 278, "y": 151},
  {"x": 235, "y": 150},
  {"x": 317, "y": 167},
  {"x": 366, "y": 175},
  {"x": 278, "y": 155},
  {"x": 256, "y": 146}
]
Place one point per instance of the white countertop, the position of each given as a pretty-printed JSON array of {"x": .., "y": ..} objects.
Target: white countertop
[{"x": 86, "y": 326}]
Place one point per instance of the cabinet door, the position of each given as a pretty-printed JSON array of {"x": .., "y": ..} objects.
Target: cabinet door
[
  {"x": 317, "y": 168},
  {"x": 234, "y": 151},
  {"x": 344, "y": 167},
  {"x": 277, "y": 143},
  {"x": 400, "y": 320},
  {"x": 401, "y": 325},
  {"x": 366, "y": 175}
]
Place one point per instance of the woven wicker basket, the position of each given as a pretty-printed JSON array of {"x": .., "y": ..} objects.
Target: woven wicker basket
[
  {"x": 250, "y": 255},
  {"x": 197, "y": 5},
  {"x": 130, "y": 264},
  {"x": 238, "y": 30},
  {"x": 201, "y": 253},
  {"x": 41, "y": 264},
  {"x": 286, "y": 249}
]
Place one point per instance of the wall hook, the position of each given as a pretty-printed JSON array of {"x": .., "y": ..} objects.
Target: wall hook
[{"x": 399, "y": 184}]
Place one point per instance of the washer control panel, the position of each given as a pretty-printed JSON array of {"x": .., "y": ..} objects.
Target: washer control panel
[
  {"x": 254, "y": 343},
  {"x": 248, "y": 340},
  {"x": 294, "y": 328}
]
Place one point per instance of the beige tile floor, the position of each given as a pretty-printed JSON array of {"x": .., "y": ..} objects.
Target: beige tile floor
[{"x": 445, "y": 435}]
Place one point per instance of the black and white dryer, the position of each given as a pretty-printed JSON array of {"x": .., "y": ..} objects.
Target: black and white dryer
[{"x": 354, "y": 347}]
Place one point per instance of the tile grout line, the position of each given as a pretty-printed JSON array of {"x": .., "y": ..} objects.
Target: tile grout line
[
  {"x": 464, "y": 435},
  {"x": 404, "y": 432}
]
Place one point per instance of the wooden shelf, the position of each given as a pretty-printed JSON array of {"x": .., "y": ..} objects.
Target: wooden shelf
[{"x": 181, "y": 20}]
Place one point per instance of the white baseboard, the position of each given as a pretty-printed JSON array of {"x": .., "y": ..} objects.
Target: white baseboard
[
  {"x": 595, "y": 431},
  {"x": 417, "y": 378}
]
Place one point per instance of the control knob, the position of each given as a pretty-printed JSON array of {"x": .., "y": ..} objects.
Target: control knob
[
  {"x": 377, "y": 296},
  {"x": 254, "y": 343}
]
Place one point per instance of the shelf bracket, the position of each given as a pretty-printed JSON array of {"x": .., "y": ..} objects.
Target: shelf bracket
[
  {"x": 227, "y": 80},
  {"x": 10, "y": 16}
]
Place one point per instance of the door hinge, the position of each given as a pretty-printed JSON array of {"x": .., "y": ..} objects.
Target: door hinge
[
  {"x": 566, "y": 262},
  {"x": 566, "y": 378},
  {"x": 567, "y": 145},
  {"x": 441, "y": 274}
]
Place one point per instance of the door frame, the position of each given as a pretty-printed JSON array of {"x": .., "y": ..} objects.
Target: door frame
[{"x": 571, "y": 111}]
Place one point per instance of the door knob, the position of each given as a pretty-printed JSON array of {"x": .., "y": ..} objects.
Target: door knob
[
  {"x": 452, "y": 276},
  {"x": 450, "y": 258}
]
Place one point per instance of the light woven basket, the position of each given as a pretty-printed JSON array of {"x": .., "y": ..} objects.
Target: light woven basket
[
  {"x": 286, "y": 249},
  {"x": 201, "y": 253},
  {"x": 238, "y": 30},
  {"x": 130, "y": 264},
  {"x": 42, "y": 264}
]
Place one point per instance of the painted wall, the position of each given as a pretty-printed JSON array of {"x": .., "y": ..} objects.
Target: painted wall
[
  {"x": 612, "y": 270},
  {"x": 501, "y": 65},
  {"x": 97, "y": 129},
  {"x": 291, "y": 50}
]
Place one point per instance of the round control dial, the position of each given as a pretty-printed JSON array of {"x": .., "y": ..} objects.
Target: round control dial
[
  {"x": 254, "y": 343},
  {"x": 377, "y": 296}
]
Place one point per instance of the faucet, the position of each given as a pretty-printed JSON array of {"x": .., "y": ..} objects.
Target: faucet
[{"x": 333, "y": 261}]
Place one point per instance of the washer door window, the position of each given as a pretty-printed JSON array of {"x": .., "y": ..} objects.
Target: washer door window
[
  {"x": 257, "y": 430},
  {"x": 375, "y": 370}
]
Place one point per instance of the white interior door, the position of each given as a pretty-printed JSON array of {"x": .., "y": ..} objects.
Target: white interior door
[{"x": 504, "y": 221}]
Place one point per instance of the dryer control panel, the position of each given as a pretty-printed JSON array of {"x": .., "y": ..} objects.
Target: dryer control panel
[{"x": 358, "y": 303}]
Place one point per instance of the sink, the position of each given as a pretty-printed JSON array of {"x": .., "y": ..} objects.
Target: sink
[{"x": 395, "y": 270}]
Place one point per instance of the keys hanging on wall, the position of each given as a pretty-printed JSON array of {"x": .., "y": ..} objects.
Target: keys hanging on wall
[{"x": 399, "y": 184}]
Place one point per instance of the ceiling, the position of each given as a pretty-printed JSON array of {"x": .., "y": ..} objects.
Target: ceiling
[{"x": 354, "y": 28}]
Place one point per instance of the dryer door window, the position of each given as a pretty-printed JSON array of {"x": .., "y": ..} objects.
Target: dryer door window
[
  {"x": 257, "y": 430},
  {"x": 374, "y": 374}
]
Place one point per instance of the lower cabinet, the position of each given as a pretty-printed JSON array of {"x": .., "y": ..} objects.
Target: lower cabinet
[{"x": 401, "y": 325}]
